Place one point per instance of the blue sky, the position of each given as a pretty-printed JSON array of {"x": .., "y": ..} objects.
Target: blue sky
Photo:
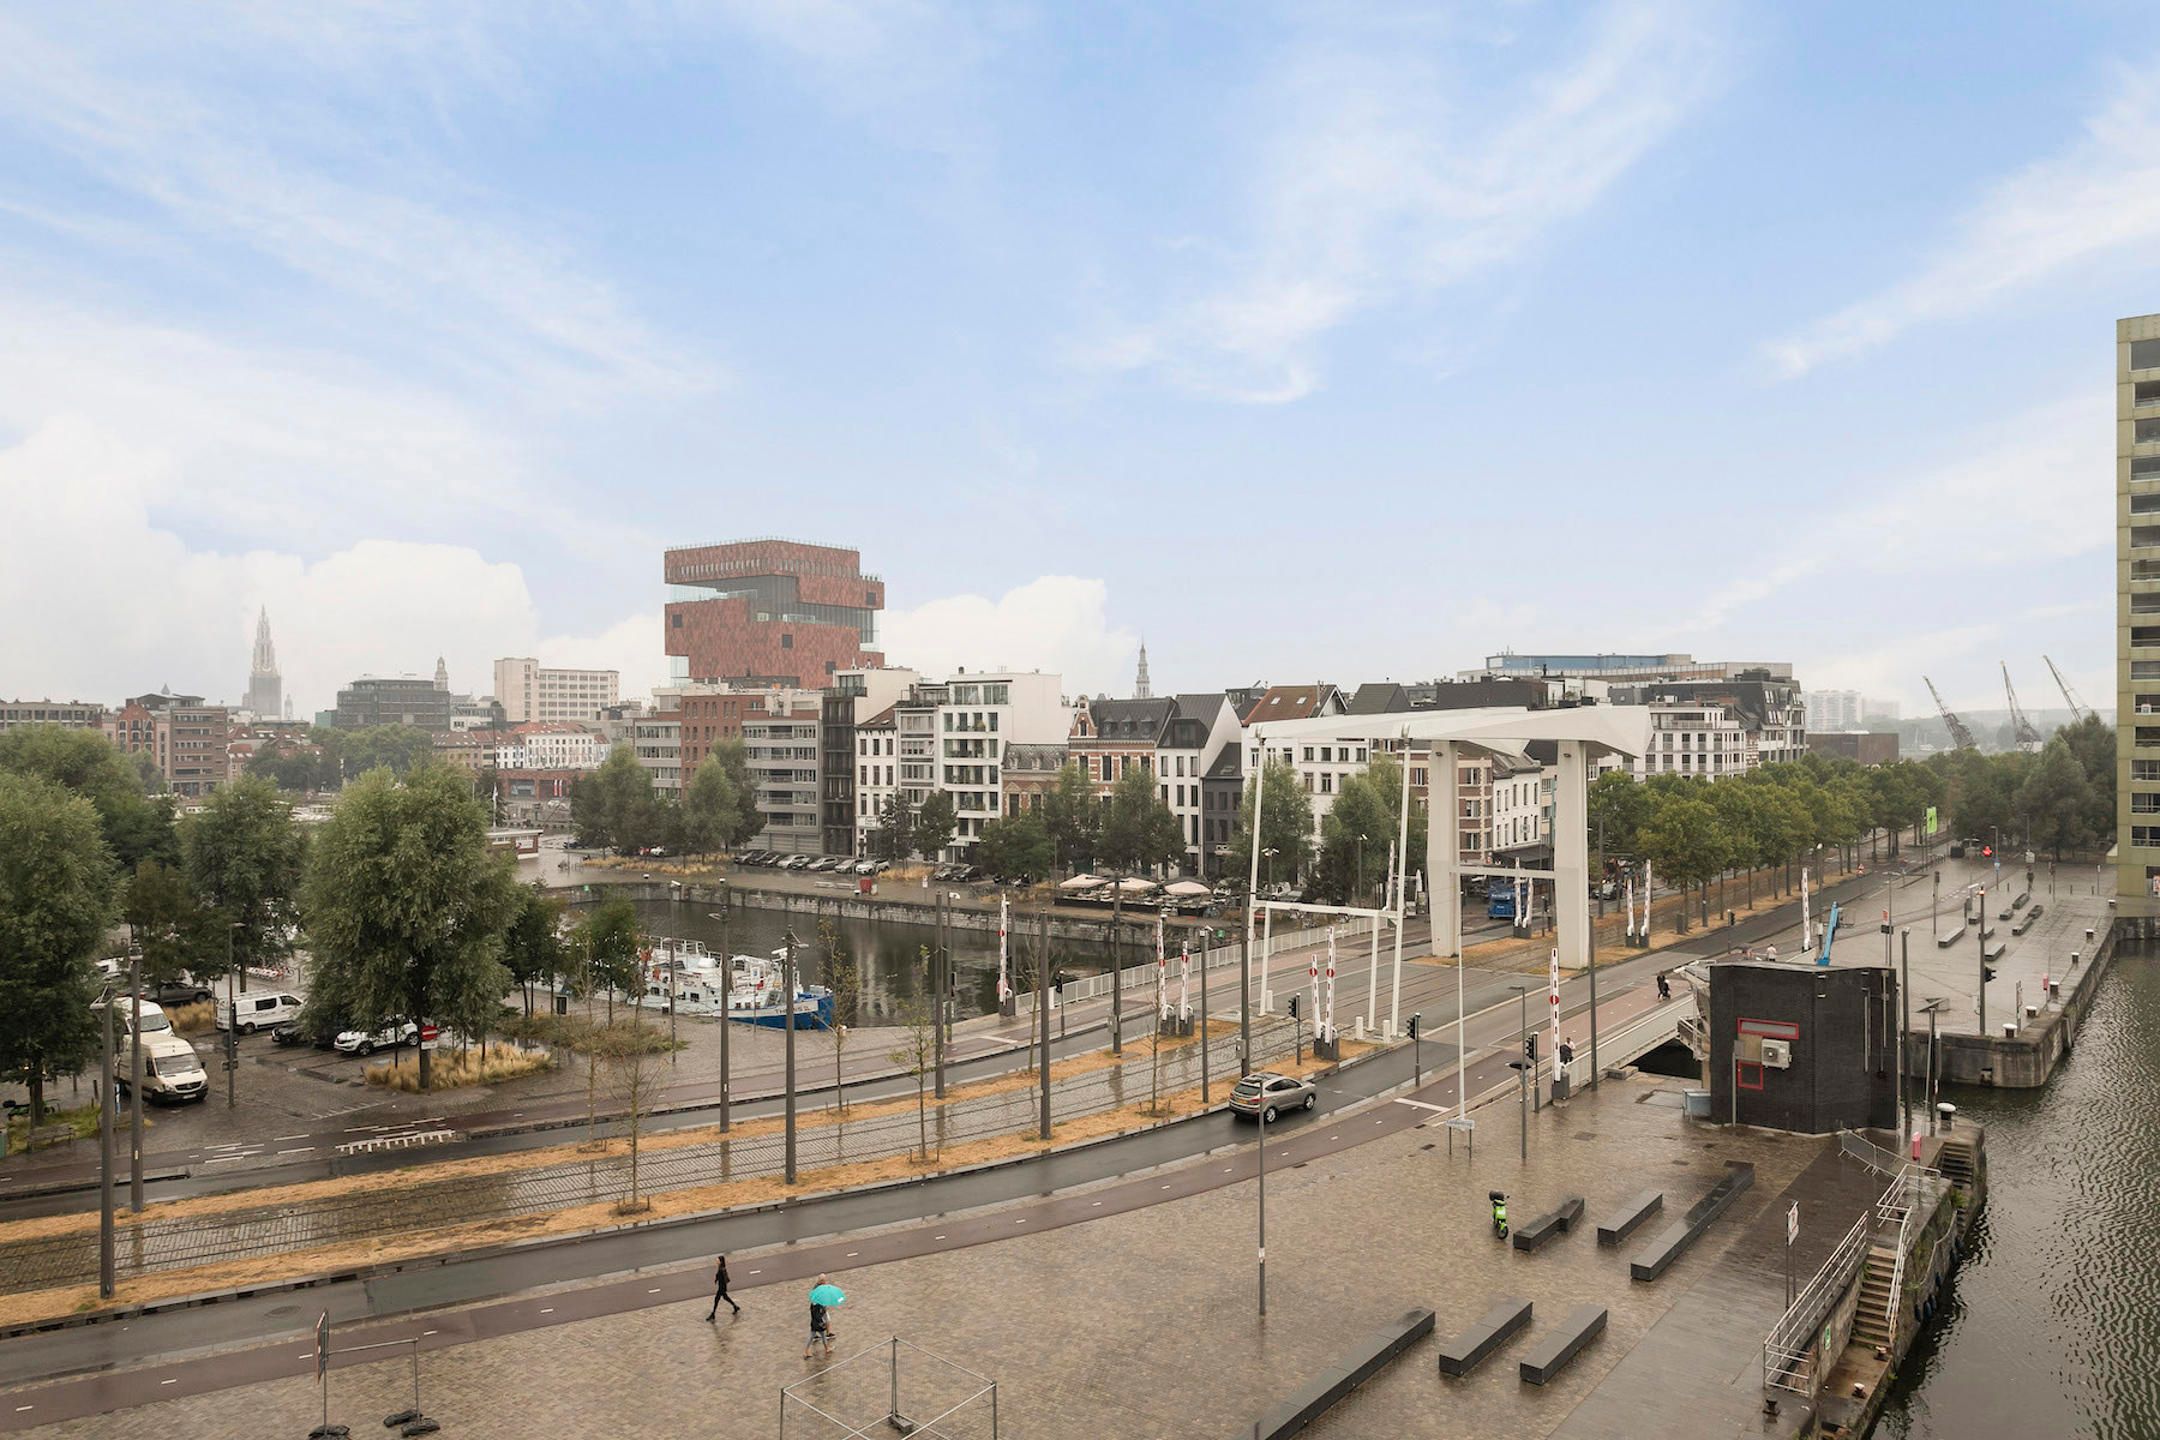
[{"x": 1308, "y": 342}]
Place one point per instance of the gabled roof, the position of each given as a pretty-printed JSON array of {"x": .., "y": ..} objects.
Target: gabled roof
[
  {"x": 1129, "y": 719},
  {"x": 1291, "y": 702},
  {"x": 1230, "y": 765},
  {"x": 1201, "y": 704},
  {"x": 1379, "y": 697},
  {"x": 883, "y": 720}
]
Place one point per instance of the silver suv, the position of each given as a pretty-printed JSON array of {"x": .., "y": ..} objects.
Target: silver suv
[{"x": 1267, "y": 1095}]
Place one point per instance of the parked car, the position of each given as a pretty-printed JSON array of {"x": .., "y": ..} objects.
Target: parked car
[
  {"x": 822, "y": 864},
  {"x": 259, "y": 1010},
  {"x": 795, "y": 862},
  {"x": 1268, "y": 1095},
  {"x": 179, "y": 992},
  {"x": 864, "y": 867},
  {"x": 297, "y": 1032},
  {"x": 390, "y": 1037}
]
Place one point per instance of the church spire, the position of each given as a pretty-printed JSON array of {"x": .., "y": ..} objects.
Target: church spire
[
  {"x": 264, "y": 689},
  {"x": 442, "y": 674},
  {"x": 1140, "y": 687}
]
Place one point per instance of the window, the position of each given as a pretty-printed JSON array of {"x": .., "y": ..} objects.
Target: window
[
  {"x": 2145, "y": 835},
  {"x": 2145, "y": 355},
  {"x": 2147, "y": 430},
  {"x": 675, "y": 620},
  {"x": 787, "y": 641},
  {"x": 2144, "y": 803}
]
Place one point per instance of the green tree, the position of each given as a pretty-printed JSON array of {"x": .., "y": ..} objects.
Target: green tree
[
  {"x": 894, "y": 838},
  {"x": 1072, "y": 816},
  {"x": 844, "y": 980},
  {"x": 1685, "y": 842},
  {"x": 1017, "y": 848},
  {"x": 2092, "y": 741},
  {"x": 934, "y": 824},
  {"x": 406, "y": 907},
  {"x": 398, "y": 748},
  {"x": 614, "y": 806},
  {"x": 56, "y": 894},
  {"x": 135, "y": 825},
  {"x": 242, "y": 857},
  {"x": 609, "y": 943},
  {"x": 1369, "y": 805},
  {"x": 171, "y": 927},
  {"x": 735, "y": 761},
  {"x": 1139, "y": 831},
  {"x": 2056, "y": 800},
  {"x": 1618, "y": 807},
  {"x": 916, "y": 1055},
  {"x": 1286, "y": 827},
  {"x": 711, "y": 808},
  {"x": 533, "y": 946}
]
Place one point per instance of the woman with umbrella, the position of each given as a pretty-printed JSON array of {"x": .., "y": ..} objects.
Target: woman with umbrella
[{"x": 824, "y": 1297}]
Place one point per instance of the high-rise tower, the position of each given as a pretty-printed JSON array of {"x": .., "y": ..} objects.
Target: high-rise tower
[
  {"x": 2137, "y": 619},
  {"x": 265, "y": 690},
  {"x": 770, "y": 612}
]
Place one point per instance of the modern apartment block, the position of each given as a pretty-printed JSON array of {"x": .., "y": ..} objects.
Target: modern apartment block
[
  {"x": 855, "y": 696},
  {"x": 780, "y": 741},
  {"x": 394, "y": 700},
  {"x": 656, "y": 740},
  {"x": 187, "y": 739},
  {"x": 68, "y": 714},
  {"x": 1619, "y": 669},
  {"x": 770, "y": 612},
  {"x": 1716, "y": 729},
  {"x": 952, "y": 737},
  {"x": 529, "y": 691},
  {"x": 2137, "y": 617}
]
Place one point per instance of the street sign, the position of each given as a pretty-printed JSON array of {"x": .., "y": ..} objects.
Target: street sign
[
  {"x": 1792, "y": 1223},
  {"x": 322, "y": 1345},
  {"x": 428, "y": 1036}
]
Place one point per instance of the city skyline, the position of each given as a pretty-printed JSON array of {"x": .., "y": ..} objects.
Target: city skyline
[{"x": 445, "y": 359}]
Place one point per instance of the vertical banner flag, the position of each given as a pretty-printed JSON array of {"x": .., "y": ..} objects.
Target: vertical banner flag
[
  {"x": 1328, "y": 1033},
  {"x": 1552, "y": 991},
  {"x": 1312, "y": 978},
  {"x": 1004, "y": 971},
  {"x": 1162, "y": 974},
  {"x": 1184, "y": 981},
  {"x": 1807, "y": 926}
]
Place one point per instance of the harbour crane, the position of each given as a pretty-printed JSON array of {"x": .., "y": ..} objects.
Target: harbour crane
[
  {"x": 2078, "y": 711},
  {"x": 2028, "y": 738},
  {"x": 1959, "y": 735}
]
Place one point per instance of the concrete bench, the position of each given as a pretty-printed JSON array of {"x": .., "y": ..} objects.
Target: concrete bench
[
  {"x": 2023, "y": 897},
  {"x": 1673, "y": 1241},
  {"x": 1370, "y": 1356},
  {"x": 1555, "y": 1222},
  {"x": 1631, "y": 1215},
  {"x": 1987, "y": 931},
  {"x": 46, "y": 1135},
  {"x": 2026, "y": 923},
  {"x": 1461, "y": 1354},
  {"x": 1950, "y": 937},
  {"x": 1992, "y": 953},
  {"x": 1561, "y": 1344}
]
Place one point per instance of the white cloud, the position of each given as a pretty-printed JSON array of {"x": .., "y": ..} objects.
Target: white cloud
[
  {"x": 1055, "y": 623},
  {"x": 1388, "y": 174},
  {"x": 2098, "y": 196},
  {"x": 108, "y": 603}
]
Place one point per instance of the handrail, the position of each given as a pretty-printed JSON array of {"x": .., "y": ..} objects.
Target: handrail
[
  {"x": 1786, "y": 1365},
  {"x": 1868, "y": 1153}
]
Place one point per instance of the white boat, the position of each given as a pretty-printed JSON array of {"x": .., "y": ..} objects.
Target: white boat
[{"x": 746, "y": 989}]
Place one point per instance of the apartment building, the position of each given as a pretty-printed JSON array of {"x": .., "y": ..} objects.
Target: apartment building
[
  {"x": 1202, "y": 725},
  {"x": 1110, "y": 738},
  {"x": 1717, "y": 729},
  {"x": 394, "y": 700},
  {"x": 853, "y": 697},
  {"x": 68, "y": 714},
  {"x": 979, "y": 716},
  {"x": 1031, "y": 773},
  {"x": 554, "y": 745},
  {"x": 781, "y": 744},
  {"x": 2137, "y": 617},
  {"x": 656, "y": 741},
  {"x": 876, "y": 773},
  {"x": 769, "y": 612},
  {"x": 529, "y": 691},
  {"x": 191, "y": 742}
]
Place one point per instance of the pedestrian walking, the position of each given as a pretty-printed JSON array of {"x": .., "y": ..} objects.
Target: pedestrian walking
[
  {"x": 1664, "y": 986},
  {"x": 823, "y": 1297},
  {"x": 720, "y": 1284}
]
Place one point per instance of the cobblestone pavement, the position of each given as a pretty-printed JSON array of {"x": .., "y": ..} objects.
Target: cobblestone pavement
[{"x": 1141, "y": 1324}]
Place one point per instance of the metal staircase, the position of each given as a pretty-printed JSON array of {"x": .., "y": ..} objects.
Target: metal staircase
[
  {"x": 1875, "y": 1318},
  {"x": 1958, "y": 1161}
]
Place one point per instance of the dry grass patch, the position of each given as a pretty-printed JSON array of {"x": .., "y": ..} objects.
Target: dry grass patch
[
  {"x": 454, "y": 1068},
  {"x": 193, "y": 1019}
]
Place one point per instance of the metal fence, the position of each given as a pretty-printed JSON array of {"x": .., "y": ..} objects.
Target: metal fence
[
  {"x": 831, "y": 1140},
  {"x": 894, "y": 1388}
]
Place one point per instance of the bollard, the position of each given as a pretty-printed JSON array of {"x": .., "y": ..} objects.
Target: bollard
[
  {"x": 2073, "y": 959},
  {"x": 2032, "y": 1012},
  {"x": 2054, "y": 989},
  {"x": 2009, "y": 1029},
  {"x": 1947, "y": 1114}
]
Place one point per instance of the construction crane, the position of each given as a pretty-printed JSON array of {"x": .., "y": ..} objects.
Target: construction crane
[
  {"x": 1959, "y": 735},
  {"x": 2028, "y": 738},
  {"x": 2078, "y": 711}
]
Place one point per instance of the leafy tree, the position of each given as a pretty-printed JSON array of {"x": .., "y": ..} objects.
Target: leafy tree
[
  {"x": 406, "y": 907},
  {"x": 934, "y": 824},
  {"x": 609, "y": 943},
  {"x": 844, "y": 980},
  {"x": 1618, "y": 807},
  {"x": 172, "y": 929},
  {"x": 136, "y": 826},
  {"x": 1685, "y": 842},
  {"x": 1369, "y": 804},
  {"x": 1018, "y": 848},
  {"x": 1072, "y": 817},
  {"x": 735, "y": 761},
  {"x": 614, "y": 805},
  {"x": 533, "y": 946},
  {"x": 2056, "y": 799},
  {"x": 399, "y": 748},
  {"x": 2092, "y": 741},
  {"x": 242, "y": 857},
  {"x": 1286, "y": 827},
  {"x": 916, "y": 1055},
  {"x": 712, "y": 808},
  {"x": 56, "y": 894},
  {"x": 894, "y": 838},
  {"x": 1139, "y": 831}
]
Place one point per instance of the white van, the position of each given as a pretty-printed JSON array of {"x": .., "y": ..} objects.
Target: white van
[
  {"x": 259, "y": 1010},
  {"x": 172, "y": 1073},
  {"x": 154, "y": 1023}
]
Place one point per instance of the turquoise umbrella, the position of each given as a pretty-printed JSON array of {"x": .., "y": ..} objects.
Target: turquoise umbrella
[{"x": 827, "y": 1295}]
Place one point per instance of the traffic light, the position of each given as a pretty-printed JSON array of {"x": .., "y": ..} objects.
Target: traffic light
[
  {"x": 1529, "y": 1047},
  {"x": 1415, "y": 1021},
  {"x": 1987, "y": 852},
  {"x": 1987, "y": 973},
  {"x": 1293, "y": 1007}
]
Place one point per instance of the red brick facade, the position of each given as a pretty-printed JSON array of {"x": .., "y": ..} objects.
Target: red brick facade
[{"x": 724, "y": 640}]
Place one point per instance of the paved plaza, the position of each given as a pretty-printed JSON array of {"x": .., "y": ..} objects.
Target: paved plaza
[{"x": 1140, "y": 1324}]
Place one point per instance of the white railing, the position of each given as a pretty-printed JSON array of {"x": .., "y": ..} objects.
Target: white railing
[
  {"x": 1788, "y": 1353},
  {"x": 1868, "y": 1153},
  {"x": 1632, "y": 1040}
]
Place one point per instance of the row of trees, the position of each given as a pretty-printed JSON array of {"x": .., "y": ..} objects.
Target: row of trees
[
  {"x": 329, "y": 757},
  {"x": 82, "y": 845},
  {"x": 1131, "y": 829},
  {"x": 617, "y": 807}
]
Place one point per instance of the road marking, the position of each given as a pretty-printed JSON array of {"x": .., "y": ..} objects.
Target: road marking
[
  {"x": 851, "y": 1254},
  {"x": 1096, "y": 1205},
  {"x": 297, "y": 1150},
  {"x": 757, "y": 1272},
  {"x": 1420, "y": 1105},
  {"x": 214, "y": 1159},
  {"x": 548, "y": 1310},
  {"x": 1020, "y": 1222},
  {"x": 425, "y": 1333},
  {"x": 654, "y": 1291},
  {"x": 1166, "y": 1187},
  {"x": 174, "y": 1381},
  {"x": 20, "y": 1408},
  {"x": 934, "y": 1237},
  {"x": 300, "y": 1136}
]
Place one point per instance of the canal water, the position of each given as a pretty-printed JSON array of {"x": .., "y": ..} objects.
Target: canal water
[
  {"x": 888, "y": 956},
  {"x": 2054, "y": 1325}
]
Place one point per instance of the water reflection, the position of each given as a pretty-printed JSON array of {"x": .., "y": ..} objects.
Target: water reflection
[{"x": 888, "y": 956}]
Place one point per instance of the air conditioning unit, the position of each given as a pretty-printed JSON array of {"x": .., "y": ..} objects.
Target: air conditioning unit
[{"x": 1777, "y": 1054}]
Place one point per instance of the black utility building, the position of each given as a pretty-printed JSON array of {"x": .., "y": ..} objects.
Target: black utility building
[{"x": 1803, "y": 1047}]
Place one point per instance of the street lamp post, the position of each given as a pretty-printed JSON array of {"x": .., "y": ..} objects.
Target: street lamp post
[
  {"x": 135, "y": 1120},
  {"x": 787, "y": 1001},
  {"x": 1522, "y": 1063},
  {"x": 232, "y": 1018},
  {"x": 106, "y": 1112}
]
